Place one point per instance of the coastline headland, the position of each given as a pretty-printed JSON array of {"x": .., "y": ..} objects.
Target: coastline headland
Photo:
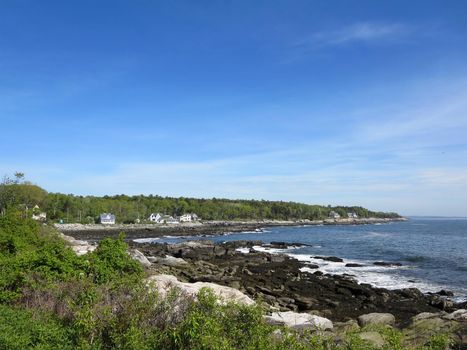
[{"x": 95, "y": 232}]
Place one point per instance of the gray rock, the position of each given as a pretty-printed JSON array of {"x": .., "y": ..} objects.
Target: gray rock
[
  {"x": 137, "y": 255},
  {"x": 299, "y": 321},
  {"x": 374, "y": 338},
  {"x": 376, "y": 319}
]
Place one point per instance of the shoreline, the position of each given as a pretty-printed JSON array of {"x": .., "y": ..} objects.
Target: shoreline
[{"x": 95, "y": 232}]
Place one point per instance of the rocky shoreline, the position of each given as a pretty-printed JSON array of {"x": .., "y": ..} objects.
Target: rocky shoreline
[
  {"x": 95, "y": 232},
  {"x": 301, "y": 299},
  {"x": 278, "y": 280}
]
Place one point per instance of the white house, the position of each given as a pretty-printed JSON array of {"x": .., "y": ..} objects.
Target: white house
[
  {"x": 334, "y": 215},
  {"x": 38, "y": 215},
  {"x": 189, "y": 217},
  {"x": 107, "y": 219},
  {"x": 155, "y": 217},
  {"x": 167, "y": 219},
  {"x": 352, "y": 215}
]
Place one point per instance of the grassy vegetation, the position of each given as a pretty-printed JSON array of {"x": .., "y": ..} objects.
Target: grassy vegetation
[{"x": 52, "y": 299}]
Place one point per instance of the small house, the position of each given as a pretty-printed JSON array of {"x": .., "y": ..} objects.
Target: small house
[
  {"x": 352, "y": 215},
  {"x": 107, "y": 219},
  {"x": 189, "y": 217},
  {"x": 155, "y": 217},
  {"x": 334, "y": 215},
  {"x": 167, "y": 219}
]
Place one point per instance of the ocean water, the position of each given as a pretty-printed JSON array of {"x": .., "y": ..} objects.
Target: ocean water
[{"x": 433, "y": 252}]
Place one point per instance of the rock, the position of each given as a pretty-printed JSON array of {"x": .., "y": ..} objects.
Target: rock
[
  {"x": 299, "y": 321},
  {"x": 78, "y": 246},
  {"x": 330, "y": 258},
  {"x": 344, "y": 327},
  {"x": 171, "y": 261},
  {"x": 137, "y": 255},
  {"x": 424, "y": 315},
  {"x": 445, "y": 293},
  {"x": 387, "y": 264},
  {"x": 423, "y": 328},
  {"x": 374, "y": 338},
  {"x": 353, "y": 265},
  {"x": 225, "y": 294},
  {"x": 459, "y": 315},
  {"x": 376, "y": 319}
]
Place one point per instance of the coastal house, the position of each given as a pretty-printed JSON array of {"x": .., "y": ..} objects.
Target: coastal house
[
  {"x": 334, "y": 215},
  {"x": 189, "y": 217},
  {"x": 167, "y": 219},
  {"x": 352, "y": 215},
  {"x": 107, "y": 219},
  {"x": 155, "y": 217},
  {"x": 38, "y": 215}
]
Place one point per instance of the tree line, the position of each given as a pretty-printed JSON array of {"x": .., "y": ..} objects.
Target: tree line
[{"x": 71, "y": 208}]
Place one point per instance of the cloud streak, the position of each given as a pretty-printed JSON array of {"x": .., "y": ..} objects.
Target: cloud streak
[{"x": 360, "y": 32}]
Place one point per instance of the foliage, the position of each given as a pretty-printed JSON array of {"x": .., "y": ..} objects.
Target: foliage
[{"x": 23, "y": 329}]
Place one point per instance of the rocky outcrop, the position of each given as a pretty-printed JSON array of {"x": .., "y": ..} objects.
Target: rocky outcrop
[
  {"x": 299, "y": 321},
  {"x": 380, "y": 319},
  {"x": 164, "y": 283},
  {"x": 280, "y": 283},
  {"x": 140, "y": 257},
  {"x": 80, "y": 247}
]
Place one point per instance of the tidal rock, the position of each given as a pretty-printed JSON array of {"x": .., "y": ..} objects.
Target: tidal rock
[
  {"x": 387, "y": 264},
  {"x": 376, "y": 318},
  {"x": 225, "y": 294},
  {"x": 353, "y": 265},
  {"x": 330, "y": 258},
  {"x": 299, "y": 321}
]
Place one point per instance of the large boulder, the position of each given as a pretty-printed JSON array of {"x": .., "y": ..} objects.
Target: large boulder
[
  {"x": 299, "y": 321},
  {"x": 225, "y": 294},
  {"x": 137, "y": 255},
  {"x": 376, "y": 319}
]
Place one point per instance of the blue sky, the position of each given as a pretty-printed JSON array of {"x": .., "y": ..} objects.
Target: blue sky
[{"x": 328, "y": 102}]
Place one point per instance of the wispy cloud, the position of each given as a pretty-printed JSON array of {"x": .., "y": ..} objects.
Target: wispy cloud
[{"x": 366, "y": 32}]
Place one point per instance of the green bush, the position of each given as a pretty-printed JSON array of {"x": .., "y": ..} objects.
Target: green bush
[
  {"x": 22, "y": 329},
  {"x": 111, "y": 262}
]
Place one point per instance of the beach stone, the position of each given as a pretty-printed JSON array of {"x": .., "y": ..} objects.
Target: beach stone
[
  {"x": 299, "y": 321},
  {"x": 376, "y": 318},
  {"x": 137, "y": 255},
  {"x": 374, "y": 338},
  {"x": 226, "y": 294}
]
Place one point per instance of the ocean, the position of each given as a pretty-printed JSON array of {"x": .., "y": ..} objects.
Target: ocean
[{"x": 432, "y": 251}]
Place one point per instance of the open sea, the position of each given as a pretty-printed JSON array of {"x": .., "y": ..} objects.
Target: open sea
[{"x": 432, "y": 251}]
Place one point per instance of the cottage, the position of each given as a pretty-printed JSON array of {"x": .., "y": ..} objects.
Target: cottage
[
  {"x": 167, "y": 219},
  {"x": 107, "y": 219},
  {"x": 352, "y": 215},
  {"x": 334, "y": 215},
  {"x": 38, "y": 215},
  {"x": 155, "y": 217},
  {"x": 189, "y": 217}
]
